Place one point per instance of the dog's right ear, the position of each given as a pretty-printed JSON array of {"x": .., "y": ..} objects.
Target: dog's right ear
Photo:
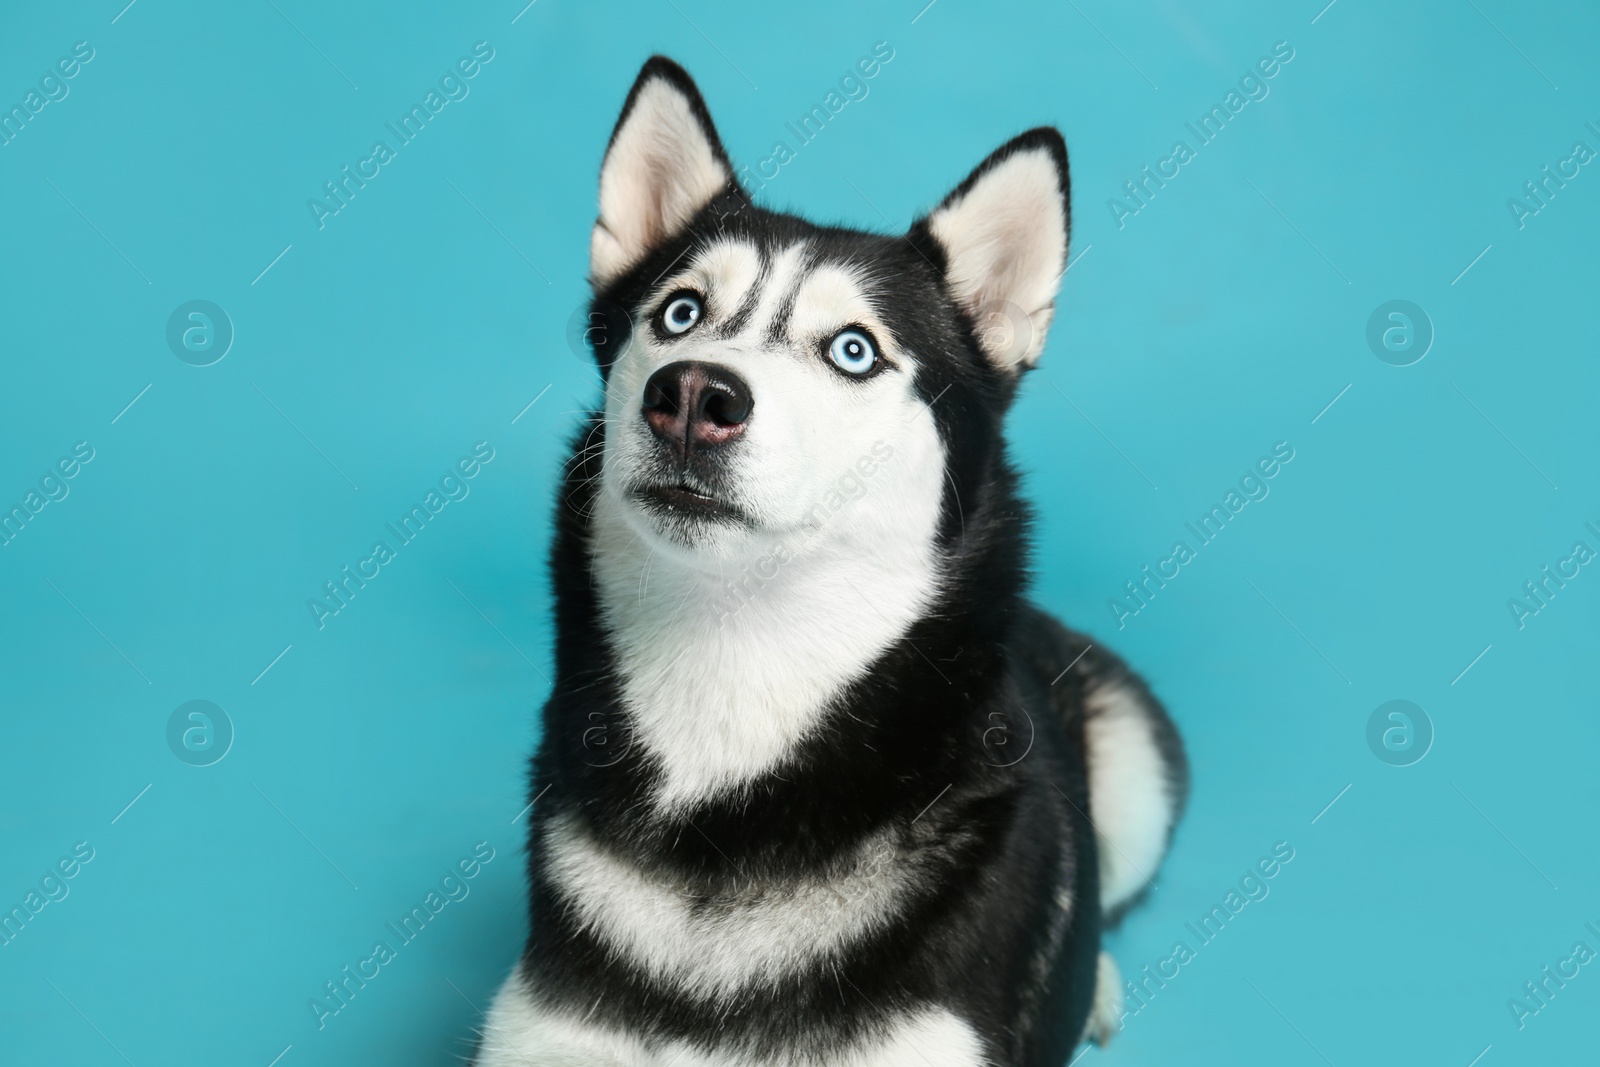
[
  {"x": 665, "y": 162},
  {"x": 1003, "y": 236}
]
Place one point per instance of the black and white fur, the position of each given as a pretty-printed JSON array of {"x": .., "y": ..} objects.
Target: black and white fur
[{"x": 817, "y": 784}]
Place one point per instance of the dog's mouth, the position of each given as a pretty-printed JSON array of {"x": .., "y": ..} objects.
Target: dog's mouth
[{"x": 684, "y": 501}]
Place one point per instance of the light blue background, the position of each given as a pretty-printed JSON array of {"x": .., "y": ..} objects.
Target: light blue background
[{"x": 1221, "y": 319}]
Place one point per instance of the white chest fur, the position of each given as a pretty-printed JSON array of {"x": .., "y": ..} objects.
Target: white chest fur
[
  {"x": 725, "y": 669},
  {"x": 521, "y": 1032},
  {"x": 713, "y": 944}
]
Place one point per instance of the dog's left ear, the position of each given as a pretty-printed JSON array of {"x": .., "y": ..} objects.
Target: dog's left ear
[
  {"x": 1003, "y": 235},
  {"x": 665, "y": 162}
]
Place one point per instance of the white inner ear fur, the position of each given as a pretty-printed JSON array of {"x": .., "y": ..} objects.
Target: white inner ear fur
[
  {"x": 1006, "y": 244},
  {"x": 660, "y": 170}
]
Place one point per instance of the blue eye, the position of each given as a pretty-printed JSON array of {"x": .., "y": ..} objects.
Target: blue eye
[
  {"x": 681, "y": 312},
  {"x": 852, "y": 352}
]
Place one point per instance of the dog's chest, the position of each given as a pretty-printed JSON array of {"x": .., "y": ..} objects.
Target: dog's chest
[
  {"x": 712, "y": 940},
  {"x": 723, "y": 679}
]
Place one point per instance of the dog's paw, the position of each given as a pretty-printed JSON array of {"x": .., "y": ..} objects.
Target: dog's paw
[{"x": 1105, "y": 1013}]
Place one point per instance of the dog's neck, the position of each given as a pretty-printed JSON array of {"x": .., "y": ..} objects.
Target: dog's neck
[{"x": 724, "y": 669}]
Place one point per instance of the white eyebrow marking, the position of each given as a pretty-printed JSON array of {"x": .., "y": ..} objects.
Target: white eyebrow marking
[
  {"x": 834, "y": 296},
  {"x": 783, "y": 273},
  {"x": 725, "y": 271}
]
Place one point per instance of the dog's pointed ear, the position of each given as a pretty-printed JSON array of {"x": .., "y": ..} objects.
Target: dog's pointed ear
[
  {"x": 1003, "y": 237},
  {"x": 665, "y": 162}
]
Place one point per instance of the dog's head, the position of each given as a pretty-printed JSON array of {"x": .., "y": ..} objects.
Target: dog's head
[{"x": 772, "y": 384}]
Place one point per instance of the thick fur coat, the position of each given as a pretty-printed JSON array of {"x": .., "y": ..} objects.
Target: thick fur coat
[{"x": 817, "y": 784}]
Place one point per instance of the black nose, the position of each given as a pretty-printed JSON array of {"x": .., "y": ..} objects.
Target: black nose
[{"x": 696, "y": 405}]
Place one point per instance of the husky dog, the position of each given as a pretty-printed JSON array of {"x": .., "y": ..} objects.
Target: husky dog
[{"x": 817, "y": 784}]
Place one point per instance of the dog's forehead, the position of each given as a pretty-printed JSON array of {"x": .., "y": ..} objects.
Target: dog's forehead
[{"x": 790, "y": 288}]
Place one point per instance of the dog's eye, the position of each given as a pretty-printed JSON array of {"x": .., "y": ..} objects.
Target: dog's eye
[
  {"x": 681, "y": 313},
  {"x": 852, "y": 351}
]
